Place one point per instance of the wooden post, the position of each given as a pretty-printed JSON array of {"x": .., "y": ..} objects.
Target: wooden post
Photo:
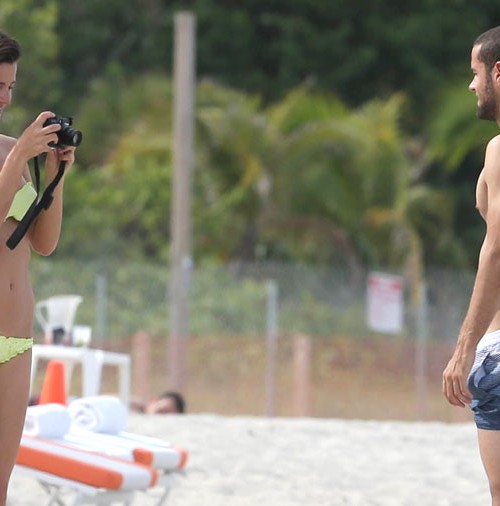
[
  {"x": 271, "y": 345},
  {"x": 141, "y": 365},
  {"x": 421, "y": 352},
  {"x": 181, "y": 262},
  {"x": 302, "y": 353}
]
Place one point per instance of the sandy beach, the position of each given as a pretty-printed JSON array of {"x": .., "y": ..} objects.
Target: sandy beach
[{"x": 252, "y": 461}]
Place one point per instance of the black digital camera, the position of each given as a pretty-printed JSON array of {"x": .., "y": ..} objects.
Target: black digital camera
[{"x": 67, "y": 136}]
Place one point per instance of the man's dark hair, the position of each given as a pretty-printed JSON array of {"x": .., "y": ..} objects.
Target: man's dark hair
[
  {"x": 180, "y": 404},
  {"x": 489, "y": 52},
  {"x": 10, "y": 51}
]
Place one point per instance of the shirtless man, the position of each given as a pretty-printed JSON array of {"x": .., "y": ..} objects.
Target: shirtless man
[
  {"x": 16, "y": 294},
  {"x": 472, "y": 376}
]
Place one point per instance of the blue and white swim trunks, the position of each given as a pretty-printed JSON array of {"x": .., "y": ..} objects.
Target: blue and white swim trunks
[{"x": 484, "y": 382}]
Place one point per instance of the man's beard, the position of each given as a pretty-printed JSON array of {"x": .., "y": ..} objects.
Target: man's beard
[{"x": 487, "y": 110}]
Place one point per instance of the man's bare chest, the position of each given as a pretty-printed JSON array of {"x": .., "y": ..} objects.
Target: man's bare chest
[{"x": 482, "y": 196}]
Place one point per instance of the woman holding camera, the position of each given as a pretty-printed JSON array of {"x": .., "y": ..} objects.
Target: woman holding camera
[{"x": 17, "y": 194}]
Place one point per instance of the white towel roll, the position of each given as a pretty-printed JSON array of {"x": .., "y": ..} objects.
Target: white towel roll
[
  {"x": 51, "y": 421},
  {"x": 100, "y": 413}
]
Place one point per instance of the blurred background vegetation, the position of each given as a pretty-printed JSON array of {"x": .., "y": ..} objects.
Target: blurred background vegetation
[
  {"x": 329, "y": 133},
  {"x": 333, "y": 138}
]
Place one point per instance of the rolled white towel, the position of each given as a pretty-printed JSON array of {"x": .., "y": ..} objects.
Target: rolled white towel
[
  {"x": 100, "y": 413},
  {"x": 51, "y": 421}
]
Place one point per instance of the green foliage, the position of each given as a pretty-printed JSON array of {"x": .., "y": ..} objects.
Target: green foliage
[
  {"x": 232, "y": 162},
  {"x": 97, "y": 36},
  {"x": 357, "y": 50},
  {"x": 116, "y": 106},
  {"x": 451, "y": 132},
  {"x": 122, "y": 208},
  {"x": 305, "y": 176},
  {"x": 311, "y": 143},
  {"x": 38, "y": 88}
]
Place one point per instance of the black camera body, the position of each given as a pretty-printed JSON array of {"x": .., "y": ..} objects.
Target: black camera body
[{"x": 67, "y": 136}]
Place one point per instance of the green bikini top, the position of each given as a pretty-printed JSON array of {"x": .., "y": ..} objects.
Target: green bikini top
[{"x": 23, "y": 199}]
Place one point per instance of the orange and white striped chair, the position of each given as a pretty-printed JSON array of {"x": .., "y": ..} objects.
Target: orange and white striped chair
[
  {"x": 168, "y": 460},
  {"x": 54, "y": 448},
  {"x": 84, "y": 476}
]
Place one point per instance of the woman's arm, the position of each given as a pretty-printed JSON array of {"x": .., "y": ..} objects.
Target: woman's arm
[
  {"x": 45, "y": 231},
  {"x": 33, "y": 141}
]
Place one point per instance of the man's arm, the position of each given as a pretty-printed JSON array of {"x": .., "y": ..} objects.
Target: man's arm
[{"x": 485, "y": 298}]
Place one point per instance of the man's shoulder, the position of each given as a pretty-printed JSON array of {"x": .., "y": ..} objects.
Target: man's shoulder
[
  {"x": 494, "y": 143},
  {"x": 492, "y": 155}
]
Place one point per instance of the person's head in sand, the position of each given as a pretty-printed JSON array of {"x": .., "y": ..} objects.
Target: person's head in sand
[{"x": 167, "y": 403}]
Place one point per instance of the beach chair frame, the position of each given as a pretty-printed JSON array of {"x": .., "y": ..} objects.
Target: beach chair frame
[
  {"x": 80, "y": 493},
  {"x": 166, "y": 481}
]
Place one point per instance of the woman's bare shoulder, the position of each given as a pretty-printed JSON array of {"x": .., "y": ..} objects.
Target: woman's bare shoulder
[{"x": 6, "y": 142}]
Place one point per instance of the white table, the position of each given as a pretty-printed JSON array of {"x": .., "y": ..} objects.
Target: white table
[{"x": 91, "y": 361}]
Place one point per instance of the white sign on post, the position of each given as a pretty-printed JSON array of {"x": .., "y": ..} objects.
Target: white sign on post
[{"x": 384, "y": 308}]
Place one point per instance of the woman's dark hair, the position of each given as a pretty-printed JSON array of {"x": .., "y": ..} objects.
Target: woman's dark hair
[
  {"x": 10, "y": 51},
  {"x": 489, "y": 52}
]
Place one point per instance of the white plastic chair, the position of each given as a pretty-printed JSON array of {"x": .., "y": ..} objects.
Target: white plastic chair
[{"x": 56, "y": 315}]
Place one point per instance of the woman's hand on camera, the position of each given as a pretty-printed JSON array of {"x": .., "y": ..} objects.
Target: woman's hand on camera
[
  {"x": 36, "y": 138},
  {"x": 57, "y": 155}
]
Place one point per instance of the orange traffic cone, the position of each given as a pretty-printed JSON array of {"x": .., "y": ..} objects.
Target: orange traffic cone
[{"x": 54, "y": 385}]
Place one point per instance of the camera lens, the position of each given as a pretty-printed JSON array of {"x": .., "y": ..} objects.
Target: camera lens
[
  {"x": 70, "y": 137},
  {"x": 77, "y": 138}
]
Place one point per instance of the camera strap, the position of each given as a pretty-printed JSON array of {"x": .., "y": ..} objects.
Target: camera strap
[{"x": 37, "y": 207}]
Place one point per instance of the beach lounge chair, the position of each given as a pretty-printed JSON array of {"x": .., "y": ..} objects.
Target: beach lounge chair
[
  {"x": 66, "y": 429},
  {"x": 98, "y": 422},
  {"x": 80, "y": 476},
  {"x": 167, "y": 460}
]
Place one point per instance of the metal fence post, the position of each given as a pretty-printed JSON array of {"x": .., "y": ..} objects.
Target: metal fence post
[{"x": 101, "y": 300}]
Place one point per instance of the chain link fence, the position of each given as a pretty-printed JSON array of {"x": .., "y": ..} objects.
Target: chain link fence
[
  {"x": 121, "y": 298},
  {"x": 229, "y": 310}
]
